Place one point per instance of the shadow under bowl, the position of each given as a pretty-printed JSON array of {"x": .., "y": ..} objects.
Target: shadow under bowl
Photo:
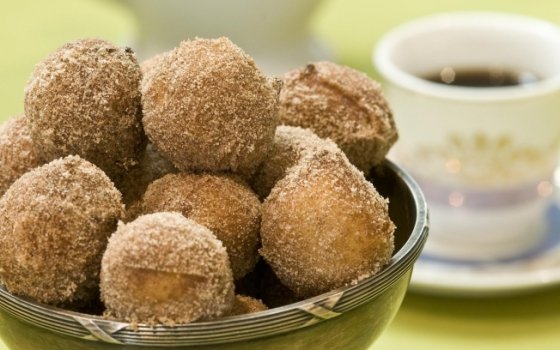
[{"x": 346, "y": 318}]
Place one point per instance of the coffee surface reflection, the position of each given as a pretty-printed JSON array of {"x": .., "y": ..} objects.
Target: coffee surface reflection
[{"x": 481, "y": 77}]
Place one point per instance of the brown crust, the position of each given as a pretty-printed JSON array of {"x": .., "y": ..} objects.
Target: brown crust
[
  {"x": 325, "y": 226},
  {"x": 246, "y": 305},
  {"x": 54, "y": 225},
  {"x": 18, "y": 153},
  {"x": 222, "y": 203},
  {"x": 164, "y": 268},
  {"x": 342, "y": 104},
  {"x": 208, "y": 107},
  {"x": 84, "y": 99}
]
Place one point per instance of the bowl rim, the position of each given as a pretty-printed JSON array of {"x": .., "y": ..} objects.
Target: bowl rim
[{"x": 277, "y": 320}]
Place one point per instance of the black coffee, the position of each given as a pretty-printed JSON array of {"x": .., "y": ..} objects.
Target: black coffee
[{"x": 481, "y": 77}]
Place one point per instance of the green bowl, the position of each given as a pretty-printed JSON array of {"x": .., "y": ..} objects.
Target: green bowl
[{"x": 347, "y": 318}]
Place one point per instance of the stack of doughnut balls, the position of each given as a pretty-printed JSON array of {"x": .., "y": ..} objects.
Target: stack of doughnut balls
[{"x": 190, "y": 187}]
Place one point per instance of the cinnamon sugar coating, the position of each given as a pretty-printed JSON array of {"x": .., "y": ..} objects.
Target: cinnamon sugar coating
[
  {"x": 290, "y": 145},
  {"x": 54, "y": 225},
  {"x": 18, "y": 153},
  {"x": 325, "y": 226},
  {"x": 207, "y": 107},
  {"x": 223, "y": 203},
  {"x": 212, "y": 118},
  {"x": 342, "y": 104},
  {"x": 84, "y": 99},
  {"x": 164, "y": 268}
]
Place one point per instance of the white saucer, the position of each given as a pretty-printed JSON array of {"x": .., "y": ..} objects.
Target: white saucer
[{"x": 530, "y": 271}]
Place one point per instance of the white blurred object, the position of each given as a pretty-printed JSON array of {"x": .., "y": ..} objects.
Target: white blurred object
[
  {"x": 275, "y": 33},
  {"x": 484, "y": 157}
]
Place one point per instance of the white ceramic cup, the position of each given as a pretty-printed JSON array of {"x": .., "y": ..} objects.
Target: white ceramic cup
[{"x": 484, "y": 156}]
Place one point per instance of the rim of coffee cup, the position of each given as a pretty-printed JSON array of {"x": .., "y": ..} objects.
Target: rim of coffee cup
[{"x": 391, "y": 72}]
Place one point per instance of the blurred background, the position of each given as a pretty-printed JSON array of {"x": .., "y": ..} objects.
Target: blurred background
[
  {"x": 343, "y": 30},
  {"x": 346, "y": 30}
]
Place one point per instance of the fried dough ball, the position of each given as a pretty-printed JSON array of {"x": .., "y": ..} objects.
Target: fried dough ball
[
  {"x": 84, "y": 99},
  {"x": 152, "y": 166},
  {"x": 222, "y": 203},
  {"x": 342, "y": 104},
  {"x": 164, "y": 268},
  {"x": 18, "y": 153},
  {"x": 54, "y": 225},
  {"x": 325, "y": 226},
  {"x": 207, "y": 107},
  {"x": 290, "y": 145},
  {"x": 246, "y": 305}
]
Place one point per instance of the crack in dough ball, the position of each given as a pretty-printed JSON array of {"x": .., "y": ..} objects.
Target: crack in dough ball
[
  {"x": 342, "y": 104},
  {"x": 325, "y": 226},
  {"x": 223, "y": 203},
  {"x": 54, "y": 225},
  {"x": 207, "y": 107},
  {"x": 84, "y": 99},
  {"x": 18, "y": 153},
  {"x": 164, "y": 268}
]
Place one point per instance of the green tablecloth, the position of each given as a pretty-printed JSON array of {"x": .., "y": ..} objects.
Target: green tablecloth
[{"x": 31, "y": 29}]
